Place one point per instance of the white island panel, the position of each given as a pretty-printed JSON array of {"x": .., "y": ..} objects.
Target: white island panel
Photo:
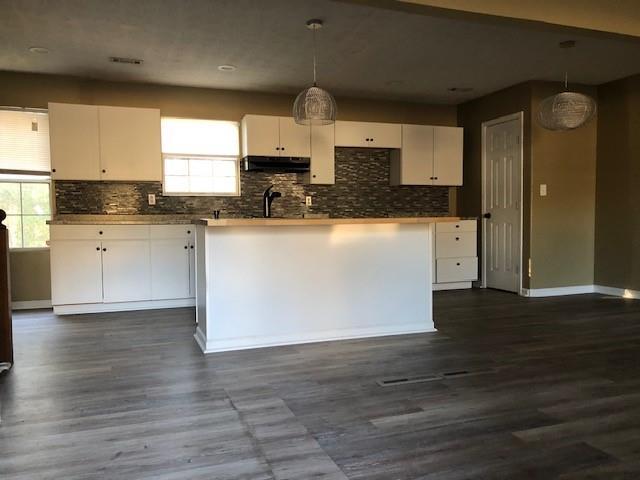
[{"x": 274, "y": 285}]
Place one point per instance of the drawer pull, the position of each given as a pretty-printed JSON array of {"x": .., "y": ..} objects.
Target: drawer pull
[
  {"x": 458, "y": 263},
  {"x": 188, "y": 232},
  {"x": 100, "y": 232},
  {"x": 457, "y": 226},
  {"x": 457, "y": 239}
]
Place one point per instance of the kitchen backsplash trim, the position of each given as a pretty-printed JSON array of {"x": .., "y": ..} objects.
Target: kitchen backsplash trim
[{"x": 361, "y": 190}]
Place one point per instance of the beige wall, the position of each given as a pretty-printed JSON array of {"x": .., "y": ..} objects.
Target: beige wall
[
  {"x": 471, "y": 115},
  {"x": 620, "y": 17},
  {"x": 31, "y": 269},
  {"x": 617, "y": 258},
  {"x": 30, "y": 275},
  {"x": 562, "y": 223},
  {"x": 558, "y": 230}
]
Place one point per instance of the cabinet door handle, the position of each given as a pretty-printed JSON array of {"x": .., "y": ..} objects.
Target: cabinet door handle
[
  {"x": 185, "y": 247},
  {"x": 277, "y": 148},
  {"x": 104, "y": 171},
  {"x": 53, "y": 170},
  {"x": 100, "y": 232},
  {"x": 188, "y": 232},
  {"x": 457, "y": 226},
  {"x": 104, "y": 249},
  {"x": 191, "y": 247},
  {"x": 458, "y": 264},
  {"x": 314, "y": 176},
  {"x": 98, "y": 248},
  {"x": 281, "y": 148}
]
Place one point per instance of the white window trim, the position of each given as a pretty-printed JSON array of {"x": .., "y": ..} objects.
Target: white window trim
[{"x": 237, "y": 193}]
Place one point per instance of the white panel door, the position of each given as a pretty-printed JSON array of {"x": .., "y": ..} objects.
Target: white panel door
[
  {"x": 416, "y": 157},
  {"x": 260, "y": 136},
  {"x": 126, "y": 270},
  {"x": 76, "y": 272},
  {"x": 74, "y": 141},
  {"x": 295, "y": 140},
  {"x": 169, "y": 268},
  {"x": 130, "y": 144},
  {"x": 323, "y": 157},
  {"x": 502, "y": 203},
  {"x": 447, "y": 155}
]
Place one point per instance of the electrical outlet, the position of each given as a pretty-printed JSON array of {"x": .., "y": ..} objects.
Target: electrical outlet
[
  {"x": 307, "y": 201},
  {"x": 543, "y": 189},
  {"x": 151, "y": 198}
]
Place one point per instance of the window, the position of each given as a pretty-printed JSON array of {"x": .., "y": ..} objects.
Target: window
[
  {"x": 24, "y": 176},
  {"x": 201, "y": 157},
  {"x": 26, "y": 201}
]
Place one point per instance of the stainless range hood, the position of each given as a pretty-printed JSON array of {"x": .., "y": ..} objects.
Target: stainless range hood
[{"x": 276, "y": 164}]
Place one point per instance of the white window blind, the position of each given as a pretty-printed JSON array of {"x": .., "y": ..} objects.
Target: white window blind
[
  {"x": 200, "y": 157},
  {"x": 24, "y": 141}
]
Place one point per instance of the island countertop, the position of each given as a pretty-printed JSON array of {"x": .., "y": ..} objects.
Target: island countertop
[{"x": 272, "y": 222}]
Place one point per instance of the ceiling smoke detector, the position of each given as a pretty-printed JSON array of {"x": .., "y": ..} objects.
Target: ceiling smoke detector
[
  {"x": 227, "y": 68},
  {"x": 127, "y": 60}
]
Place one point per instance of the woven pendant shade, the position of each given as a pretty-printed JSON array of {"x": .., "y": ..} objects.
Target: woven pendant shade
[
  {"x": 566, "y": 111},
  {"x": 314, "y": 105}
]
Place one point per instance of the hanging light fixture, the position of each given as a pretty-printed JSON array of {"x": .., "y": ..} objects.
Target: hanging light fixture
[
  {"x": 314, "y": 105},
  {"x": 566, "y": 110}
]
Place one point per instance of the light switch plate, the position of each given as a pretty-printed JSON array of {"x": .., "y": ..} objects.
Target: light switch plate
[
  {"x": 543, "y": 189},
  {"x": 152, "y": 198},
  {"x": 308, "y": 201}
]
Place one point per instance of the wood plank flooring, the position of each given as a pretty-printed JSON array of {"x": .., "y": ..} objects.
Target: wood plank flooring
[{"x": 130, "y": 396}]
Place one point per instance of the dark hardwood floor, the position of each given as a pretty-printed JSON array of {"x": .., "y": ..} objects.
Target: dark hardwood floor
[{"x": 553, "y": 391}]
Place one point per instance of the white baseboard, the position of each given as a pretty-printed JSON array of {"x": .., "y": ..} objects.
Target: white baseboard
[
  {"x": 122, "y": 306},
  {"x": 30, "y": 304},
  {"x": 451, "y": 286},
  {"x": 558, "y": 291},
  {"x": 617, "y": 292},
  {"x": 246, "y": 343}
]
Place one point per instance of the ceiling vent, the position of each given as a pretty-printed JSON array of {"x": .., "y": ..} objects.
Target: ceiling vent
[{"x": 131, "y": 61}]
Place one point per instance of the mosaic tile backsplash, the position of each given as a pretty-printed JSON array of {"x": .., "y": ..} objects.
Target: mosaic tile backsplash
[{"x": 361, "y": 190}]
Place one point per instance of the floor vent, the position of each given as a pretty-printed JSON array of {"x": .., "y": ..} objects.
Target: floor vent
[{"x": 392, "y": 382}]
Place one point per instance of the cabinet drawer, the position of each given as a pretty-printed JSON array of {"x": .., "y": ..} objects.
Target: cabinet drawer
[
  {"x": 123, "y": 232},
  {"x": 461, "y": 226},
  {"x": 171, "y": 231},
  {"x": 456, "y": 269},
  {"x": 74, "y": 232},
  {"x": 458, "y": 244}
]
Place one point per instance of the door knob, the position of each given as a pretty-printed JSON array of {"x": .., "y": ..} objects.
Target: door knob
[{"x": 487, "y": 215}]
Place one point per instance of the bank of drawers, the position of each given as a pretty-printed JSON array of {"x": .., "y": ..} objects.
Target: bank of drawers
[{"x": 456, "y": 252}]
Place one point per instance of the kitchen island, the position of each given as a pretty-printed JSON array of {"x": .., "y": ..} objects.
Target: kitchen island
[{"x": 267, "y": 282}]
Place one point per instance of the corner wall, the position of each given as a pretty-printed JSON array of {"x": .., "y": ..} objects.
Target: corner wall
[{"x": 617, "y": 246}]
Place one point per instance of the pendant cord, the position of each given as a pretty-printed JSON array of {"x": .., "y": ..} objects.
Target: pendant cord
[{"x": 314, "y": 57}]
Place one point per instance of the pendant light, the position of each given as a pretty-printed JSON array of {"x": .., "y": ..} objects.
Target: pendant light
[
  {"x": 566, "y": 110},
  {"x": 314, "y": 105}
]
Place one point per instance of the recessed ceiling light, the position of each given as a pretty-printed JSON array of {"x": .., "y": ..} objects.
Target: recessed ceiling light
[
  {"x": 227, "y": 68},
  {"x": 41, "y": 50},
  {"x": 460, "y": 89}
]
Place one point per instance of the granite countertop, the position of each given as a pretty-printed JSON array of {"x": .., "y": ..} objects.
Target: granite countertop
[
  {"x": 177, "y": 219},
  {"x": 271, "y": 222}
]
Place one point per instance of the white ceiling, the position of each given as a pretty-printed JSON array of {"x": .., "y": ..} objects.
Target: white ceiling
[{"x": 363, "y": 51}]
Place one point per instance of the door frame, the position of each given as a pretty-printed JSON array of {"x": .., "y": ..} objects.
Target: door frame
[{"x": 506, "y": 118}]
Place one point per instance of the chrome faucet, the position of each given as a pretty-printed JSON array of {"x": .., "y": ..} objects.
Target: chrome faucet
[{"x": 267, "y": 198}]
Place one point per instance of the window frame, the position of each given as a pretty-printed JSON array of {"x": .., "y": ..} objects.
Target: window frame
[
  {"x": 24, "y": 178},
  {"x": 237, "y": 161},
  {"x": 165, "y": 193}
]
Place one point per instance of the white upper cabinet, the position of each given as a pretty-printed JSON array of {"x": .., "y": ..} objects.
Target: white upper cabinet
[
  {"x": 270, "y": 136},
  {"x": 130, "y": 143},
  {"x": 413, "y": 164},
  {"x": 368, "y": 134},
  {"x": 447, "y": 155},
  {"x": 91, "y": 142},
  {"x": 429, "y": 156},
  {"x": 260, "y": 136},
  {"x": 75, "y": 141},
  {"x": 295, "y": 140},
  {"x": 323, "y": 157}
]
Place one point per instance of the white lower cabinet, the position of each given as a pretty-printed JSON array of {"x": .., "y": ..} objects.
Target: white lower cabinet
[
  {"x": 121, "y": 267},
  {"x": 126, "y": 271},
  {"x": 170, "y": 269},
  {"x": 455, "y": 254},
  {"x": 76, "y": 271}
]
